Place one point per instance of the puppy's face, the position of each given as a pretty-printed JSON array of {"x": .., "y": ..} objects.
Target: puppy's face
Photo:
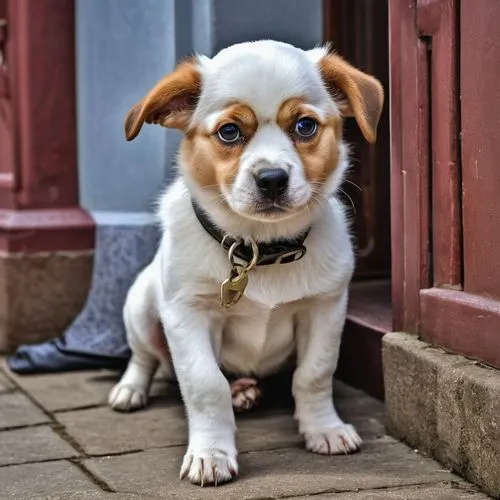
[{"x": 263, "y": 124}]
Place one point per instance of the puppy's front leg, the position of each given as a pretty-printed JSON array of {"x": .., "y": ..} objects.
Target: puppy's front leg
[
  {"x": 319, "y": 333},
  {"x": 211, "y": 453}
]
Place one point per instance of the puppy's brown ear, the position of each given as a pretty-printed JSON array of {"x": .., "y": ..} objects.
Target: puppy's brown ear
[
  {"x": 170, "y": 103},
  {"x": 358, "y": 94}
]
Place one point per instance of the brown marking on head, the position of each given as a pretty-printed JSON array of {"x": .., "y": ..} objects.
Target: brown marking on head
[
  {"x": 211, "y": 162},
  {"x": 289, "y": 112},
  {"x": 320, "y": 153},
  {"x": 170, "y": 103},
  {"x": 361, "y": 95}
]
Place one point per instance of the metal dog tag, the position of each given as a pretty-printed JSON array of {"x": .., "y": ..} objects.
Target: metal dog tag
[{"x": 233, "y": 288}]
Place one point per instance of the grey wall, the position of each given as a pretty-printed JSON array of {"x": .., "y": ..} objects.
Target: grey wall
[
  {"x": 123, "y": 48},
  {"x": 299, "y": 22},
  {"x": 203, "y": 20}
]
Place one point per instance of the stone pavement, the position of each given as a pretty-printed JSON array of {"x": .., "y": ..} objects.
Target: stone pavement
[{"x": 58, "y": 440}]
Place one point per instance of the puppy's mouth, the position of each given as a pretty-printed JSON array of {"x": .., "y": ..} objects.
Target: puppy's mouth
[
  {"x": 273, "y": 210},
  {"x": 254, "y": 206}
]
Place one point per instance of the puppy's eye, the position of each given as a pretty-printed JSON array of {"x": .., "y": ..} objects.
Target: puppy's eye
[
  {"x": 306, "y": 127},
  {"x": 229, "y": 133}
]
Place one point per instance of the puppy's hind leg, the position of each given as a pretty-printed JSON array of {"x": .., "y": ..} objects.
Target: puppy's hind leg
[
  {"x": 131, "y": 392},
  {"x": 245, "y": 394}
]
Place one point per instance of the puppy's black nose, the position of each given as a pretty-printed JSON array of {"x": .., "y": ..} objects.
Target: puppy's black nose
[{"x": 272, "y": 182}]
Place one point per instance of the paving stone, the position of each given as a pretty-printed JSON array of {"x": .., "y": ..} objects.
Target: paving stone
[
  {"x": 450, "y": 491},
  {"x": 16, "y": 410},
  {"x": 273, "y": 431},
  {"x": 73, "y": 390},
  {"x": 271, "y": 474},
  {"x": 5, "y": 384},
  {"x": 102, "y": 431},
  {"x": 32, "y": 444},
  {"x": 97, "y": 495},
  {"x": 45, "y": 481}
]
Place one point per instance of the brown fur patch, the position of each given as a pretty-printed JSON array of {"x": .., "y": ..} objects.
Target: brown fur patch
[
  {"x": 364, "y": 94},
  {"x": 170, "y": 103},
  {"x": 320, "y": 153},
  {"x": 211, "y": 162}
]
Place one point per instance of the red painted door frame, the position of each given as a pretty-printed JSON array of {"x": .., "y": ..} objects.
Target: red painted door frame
[
  {"x": 440, "y": 290},
  {"x": 39, "y": 206}
]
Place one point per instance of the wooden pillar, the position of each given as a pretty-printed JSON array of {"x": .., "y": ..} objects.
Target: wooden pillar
[
  {"x": 39, "y": 206},
  {"x": 46, "y": 239}
]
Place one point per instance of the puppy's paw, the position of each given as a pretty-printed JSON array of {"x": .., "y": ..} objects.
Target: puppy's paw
[
  {"x": 245, "y": 394},
  {"x": 339, "y": 440},
  {"x": 209, "y": 467},
  {"x": 124, "y": 397}
]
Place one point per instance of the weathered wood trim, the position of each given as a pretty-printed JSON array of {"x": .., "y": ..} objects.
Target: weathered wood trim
[
  {"x": 437, "y": 19},
  {"x": 409, "y": 163},
  {"x": 462, "y": 323}
]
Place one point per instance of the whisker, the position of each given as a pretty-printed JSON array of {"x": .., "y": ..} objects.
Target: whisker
[
  {"x": 350, "y": 199},
  {"x": 212, "y": 186},
  {"x": 354, "y": 184},
  {"x": 308, "y": 208},
  {"x": 219, "y": 201},
  {"x": 320, "y": 200}
]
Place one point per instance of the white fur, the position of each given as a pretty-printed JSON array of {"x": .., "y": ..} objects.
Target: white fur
[{"x": 295, "y": 309}]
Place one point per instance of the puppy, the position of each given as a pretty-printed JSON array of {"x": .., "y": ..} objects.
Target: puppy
[{"x": 255, "y": 260}]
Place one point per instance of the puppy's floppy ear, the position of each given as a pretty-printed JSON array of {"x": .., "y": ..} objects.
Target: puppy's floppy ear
[
  {"x": 361, "y": 95},
  {"x": 170, "y": 103}
]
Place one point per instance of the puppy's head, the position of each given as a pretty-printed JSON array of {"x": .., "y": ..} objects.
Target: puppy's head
[{"x": 263, "y": 124}]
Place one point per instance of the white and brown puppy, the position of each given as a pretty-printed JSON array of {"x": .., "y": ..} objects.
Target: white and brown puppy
[{"x": 260, "y": 163}]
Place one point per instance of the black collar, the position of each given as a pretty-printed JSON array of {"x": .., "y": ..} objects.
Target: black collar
[{"x": 275, "y": 252}]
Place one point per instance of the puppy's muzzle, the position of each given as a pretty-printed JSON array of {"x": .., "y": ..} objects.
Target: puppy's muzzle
[{"x": 272, "y": 182}]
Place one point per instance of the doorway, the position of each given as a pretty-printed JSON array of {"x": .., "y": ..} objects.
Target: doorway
[{"x": 358, "y": 30}]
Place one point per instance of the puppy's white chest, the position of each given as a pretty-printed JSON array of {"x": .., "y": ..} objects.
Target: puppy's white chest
[
  {"x": 282, "y": 284},
  {"x": 256, "y": 339}
]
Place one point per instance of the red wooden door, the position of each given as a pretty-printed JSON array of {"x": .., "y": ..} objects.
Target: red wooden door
[
  {"x": 445, "y": 61},
  {"x": 468, "y": 320}
]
